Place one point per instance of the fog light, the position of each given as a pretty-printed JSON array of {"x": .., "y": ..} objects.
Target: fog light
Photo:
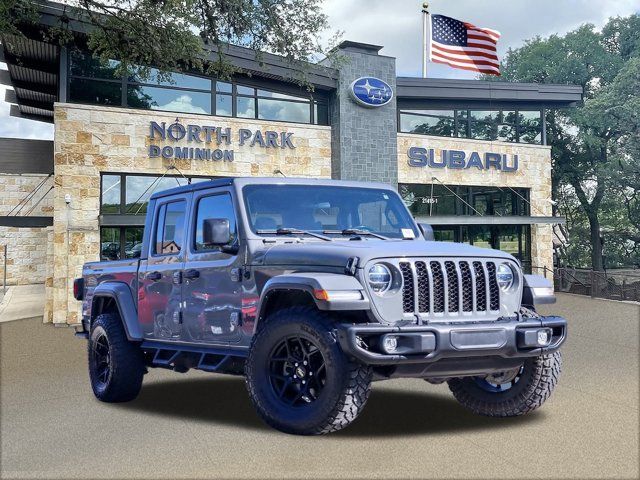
[
  {"x": 389, "y": 343},
  {"x": 544, "y": 337}
]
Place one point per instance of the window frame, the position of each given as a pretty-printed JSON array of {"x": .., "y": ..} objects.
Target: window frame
[
  {"x": 193, "y": 250},
  {"x": 123, "y": 186},
  {"x": 156, "y": 223},
  {"x": 463, "y": 127},
  {"x": 125, "y": 83}
]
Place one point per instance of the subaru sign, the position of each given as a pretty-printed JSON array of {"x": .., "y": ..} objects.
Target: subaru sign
[{"x": 371, "y": 92}]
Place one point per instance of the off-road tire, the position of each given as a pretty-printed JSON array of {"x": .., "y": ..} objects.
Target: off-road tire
[
  {"x": 347, "y": 387},
  {"x": 537, "y": 381},
  {"x": 127, "y": 367}
]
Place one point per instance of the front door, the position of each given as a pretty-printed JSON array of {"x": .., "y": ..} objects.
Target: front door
[
  {"x": 212, "y": 277},
  {"x": 160, "y": 285}
]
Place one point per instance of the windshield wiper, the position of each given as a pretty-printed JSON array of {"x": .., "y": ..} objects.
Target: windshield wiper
[
  {"x": 292, "y": 231},
  {"x": 355, "y": 231}
]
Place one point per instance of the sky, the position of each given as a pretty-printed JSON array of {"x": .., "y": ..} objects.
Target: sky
[{"x": 397, "y": 25}]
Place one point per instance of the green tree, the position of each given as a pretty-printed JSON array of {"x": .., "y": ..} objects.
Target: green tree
[
  {"x": 174, "y": 35},
  {"x": 594, "y": 146}
]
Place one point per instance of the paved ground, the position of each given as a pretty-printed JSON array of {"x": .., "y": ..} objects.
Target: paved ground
[
  {"x": 22, "y": 301},
  {"x": 200, "y": 425}
]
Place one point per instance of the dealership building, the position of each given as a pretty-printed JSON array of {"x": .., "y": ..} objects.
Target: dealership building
[{"x": 469, "y": 157}]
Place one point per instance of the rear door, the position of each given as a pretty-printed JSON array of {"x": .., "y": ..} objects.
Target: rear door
[
  {"x": 212, "y": 277},
  {"x": 160, "y": 286}
]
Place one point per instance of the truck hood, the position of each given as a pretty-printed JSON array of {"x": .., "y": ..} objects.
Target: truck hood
[{"x": 336, "y": 253}]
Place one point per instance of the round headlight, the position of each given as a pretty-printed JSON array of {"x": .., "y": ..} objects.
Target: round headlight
[
  {"x": 505, "y": 276},
  {"x": 379, "y": 278}
]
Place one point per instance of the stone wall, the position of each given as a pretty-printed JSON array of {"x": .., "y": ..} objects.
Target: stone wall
[
  {"x": 534, "y": 173},
  {"x": 92, "y": 139},
  {"x": 26, "y": 247}
]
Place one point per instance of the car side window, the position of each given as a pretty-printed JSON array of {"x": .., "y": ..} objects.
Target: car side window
[
  {"x": 170, "y": 228},
  {"x": 214, "y": 206}
]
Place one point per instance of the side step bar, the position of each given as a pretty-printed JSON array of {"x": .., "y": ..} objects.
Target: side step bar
[{"x": 182, "y": 357}]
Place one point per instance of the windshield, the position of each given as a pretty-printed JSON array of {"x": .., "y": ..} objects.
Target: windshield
[{"x": 328, "y": 209}]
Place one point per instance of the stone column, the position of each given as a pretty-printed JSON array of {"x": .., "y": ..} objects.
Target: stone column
[{"x": 363, "y": 140}]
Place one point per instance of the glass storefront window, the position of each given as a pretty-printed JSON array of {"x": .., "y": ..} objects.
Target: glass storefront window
[
  {"x": 458, "y": 200},
  {"x": 224, "y": 105},
  {"x": 530, "y": 127},
  {"x": 83, "y": 64},
  {"x": 95, "y": 92},
  {"x": 132, "y": 242},
  {"x": 94, "y": 82},
  {"x": 269, "y": 109},
  {"x": 246, "y": 107},
  {"x": 171, "y": 79},
  {"x": 242, "y": 90},
  {"x": 110, "y": 243},
  {"x": 111, "y": 188},
  {"x": 429, "y": 122},
  {"x": 224, "y": 87},
  {"x": 157, "y": 98},
  {"x": 137, "y": 191},
  {"x": 321, "y": 113},
  {"x": 503, "y": 125}
]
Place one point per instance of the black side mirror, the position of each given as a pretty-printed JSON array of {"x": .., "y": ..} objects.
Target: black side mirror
[
  {"x": 427, "y": 231},
  {"x": 216, "y": 231}
]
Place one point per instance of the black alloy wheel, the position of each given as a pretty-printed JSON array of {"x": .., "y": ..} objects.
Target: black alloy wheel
[
  {"x": 299, "y": 379},
  {"x": 297, "y": 371}
]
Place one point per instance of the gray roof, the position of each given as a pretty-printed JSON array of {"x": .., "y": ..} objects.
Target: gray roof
[{"x": 447, "y": 92}]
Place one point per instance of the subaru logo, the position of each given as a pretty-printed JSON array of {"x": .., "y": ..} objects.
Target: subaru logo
[{"x": 371, "y": 92}]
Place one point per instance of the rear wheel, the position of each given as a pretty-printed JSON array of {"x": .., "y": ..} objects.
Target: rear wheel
[
  {"x": 116, "y": 366},
  {"x": 298, "y": 378},
  {"x": 510, "y": 393}
]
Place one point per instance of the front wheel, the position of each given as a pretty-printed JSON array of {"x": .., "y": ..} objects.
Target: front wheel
[
  {"x": 298, "y": 378},
  {"x": 510, "y": 393}
]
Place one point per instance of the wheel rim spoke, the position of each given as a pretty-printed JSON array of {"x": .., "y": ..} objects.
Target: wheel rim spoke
[
  {"x": 297, "y": 371},
  {"x": 101, "y": 359}
]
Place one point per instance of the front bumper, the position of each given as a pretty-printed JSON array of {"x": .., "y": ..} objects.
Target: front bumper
[{"x": 419, "y": 344}]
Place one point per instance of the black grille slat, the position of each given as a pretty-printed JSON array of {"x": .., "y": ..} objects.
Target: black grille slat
[
  {"x": 449, "y": 287},
  {"x": 494, "y": 291},
  {"x": 408, "y": 297},
  {"x": 438, "y": 287},
  {"x": 454, "y": 289},
  {"x": 423, "y": 287},
  {"x": 481, "y": 287},
  {"x": 467, "y": 287}
]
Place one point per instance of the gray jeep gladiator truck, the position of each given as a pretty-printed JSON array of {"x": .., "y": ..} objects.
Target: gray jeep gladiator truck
[{"x": 312, "y": 289}]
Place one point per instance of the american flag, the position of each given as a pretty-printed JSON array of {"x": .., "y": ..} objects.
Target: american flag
[{"x": 463, "y": 45}]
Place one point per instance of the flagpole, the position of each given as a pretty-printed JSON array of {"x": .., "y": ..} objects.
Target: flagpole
[{"x": 425, "y": 37}]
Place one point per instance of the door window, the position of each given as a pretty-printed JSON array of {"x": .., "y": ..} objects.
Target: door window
[
  {"x": 215, "y": 206},
  {"x": 170, "y": 228}
]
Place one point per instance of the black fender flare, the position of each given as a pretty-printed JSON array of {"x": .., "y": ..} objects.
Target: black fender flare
[
  {"x": 121, "y": 294},
  {"x": 311, "y": 283}
]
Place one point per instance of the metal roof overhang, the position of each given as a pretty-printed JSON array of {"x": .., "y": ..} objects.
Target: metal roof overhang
[
  {"x": 489, "y": 220},
  {"x": 25, "y": 222},
  {"x": 20, "y": 156},
  {"x": 446, "y": 93},
  {"x": 32, "y": 71}
]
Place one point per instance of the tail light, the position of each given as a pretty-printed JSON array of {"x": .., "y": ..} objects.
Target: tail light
[{"x": 78, "y": 288}]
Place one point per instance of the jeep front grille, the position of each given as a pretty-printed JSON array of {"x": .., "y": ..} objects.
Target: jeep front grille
[{"x": 451, "y": 288}]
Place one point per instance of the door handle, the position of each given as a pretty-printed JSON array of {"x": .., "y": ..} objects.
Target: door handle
[
  {"x": 191, "y": 273},
  {"x": 153, "y": 276}
]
